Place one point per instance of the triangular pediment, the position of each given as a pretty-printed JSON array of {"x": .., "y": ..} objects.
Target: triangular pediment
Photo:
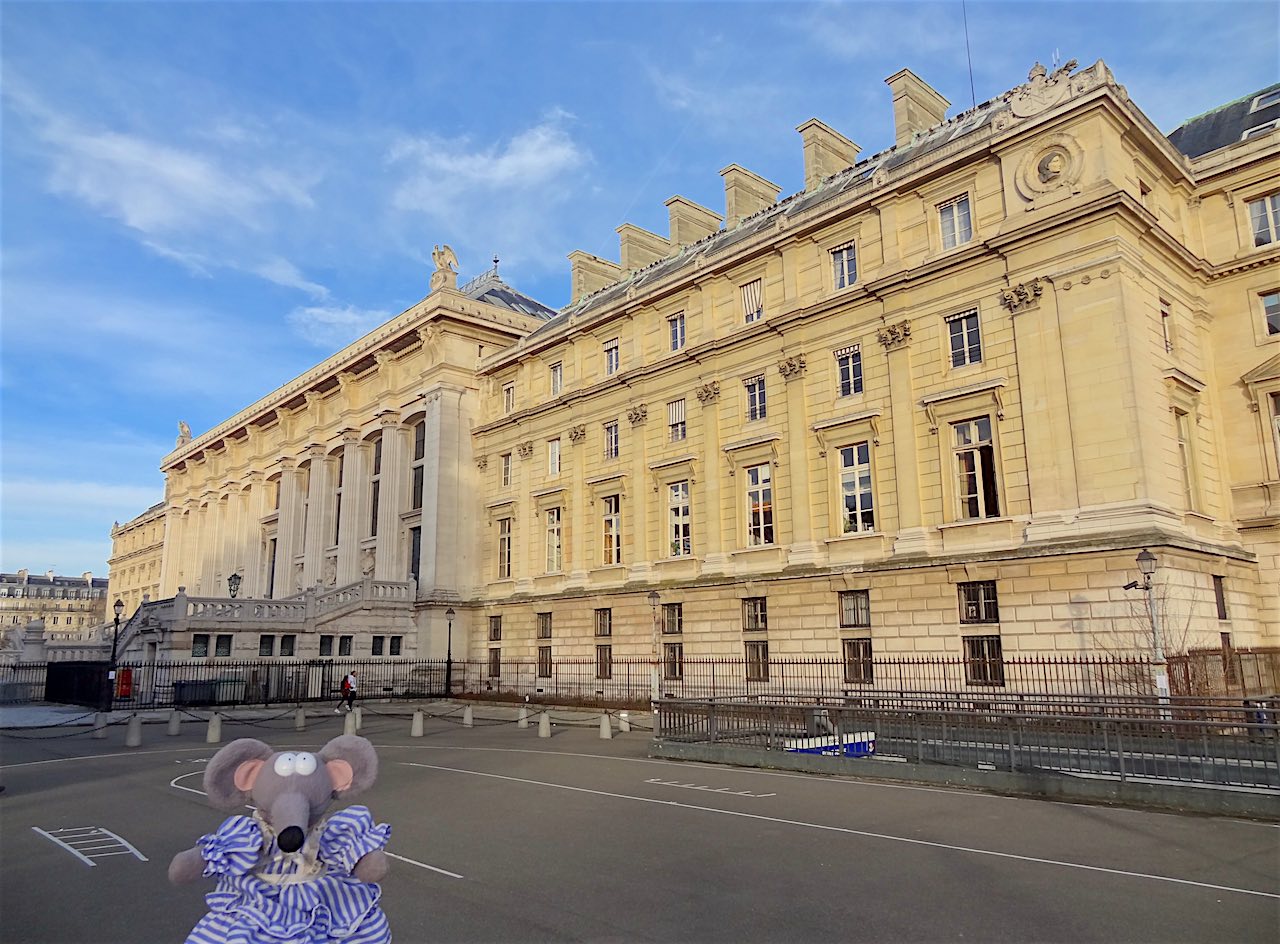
[{"x": 1267, "y": 370}]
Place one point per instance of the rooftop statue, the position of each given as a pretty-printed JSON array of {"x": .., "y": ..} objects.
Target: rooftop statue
[{"x": 446, "y": 273}]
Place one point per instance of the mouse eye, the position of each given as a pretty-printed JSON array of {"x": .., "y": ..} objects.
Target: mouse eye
[
  {"x": 286, "y": 764},
  {"x": 305, "y": 764}
]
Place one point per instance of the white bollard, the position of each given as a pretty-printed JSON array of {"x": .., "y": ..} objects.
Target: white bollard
[
  {"x": 624, "y": 723},
  {"x": 544, "y": 725},
  {"x": 133, "y": 735},
  {"x": 175, "y": 723},
  {"x": 522, "y": 719},
  {"x": 349, "y": 723},
  {"x": 100, "y": 725},
  {"x": 214, "y": 734},
  {"x": 606, "y": 729},
  {"x": 300, "y": 720},
  {"x": 468, "y": 720},
  {"x": 359, "y": 713},
  {"x": 416, "y": 729}
]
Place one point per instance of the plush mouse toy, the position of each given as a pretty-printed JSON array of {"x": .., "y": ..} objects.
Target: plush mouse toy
[{"x": 288, "y": 873}]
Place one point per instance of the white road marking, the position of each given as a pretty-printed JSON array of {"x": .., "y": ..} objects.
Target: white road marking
[
  {"x": 87, "y": 843},
  {"x": 861, "y": 832},
  {"x": 696, "y": 786}
]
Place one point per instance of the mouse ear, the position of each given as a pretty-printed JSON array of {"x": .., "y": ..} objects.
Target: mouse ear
[
  {"x": 226, "y": 785},
  {"x": 350, "y": 752}
]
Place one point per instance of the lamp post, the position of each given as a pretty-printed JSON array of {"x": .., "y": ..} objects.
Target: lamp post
[
  {"x": 1147, "y": 565},
  {"x": 118, "y": 609},
  {"x": 654, "y": 600},
  {"x": 233, "y": 585},
  {"x": 448, "y": 655}
]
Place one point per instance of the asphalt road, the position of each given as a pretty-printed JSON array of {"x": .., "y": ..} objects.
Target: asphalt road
[{"x": 502, "y": 836}]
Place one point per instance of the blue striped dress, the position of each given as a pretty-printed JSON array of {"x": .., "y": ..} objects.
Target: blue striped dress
[{"x": 310, "y": 897}]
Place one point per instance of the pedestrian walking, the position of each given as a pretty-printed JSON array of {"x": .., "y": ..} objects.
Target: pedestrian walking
[{"x": 349, "y": 685}]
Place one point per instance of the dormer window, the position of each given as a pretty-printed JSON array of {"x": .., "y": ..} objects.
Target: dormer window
[
  {"x": 1258, "y": 131},
  {"x": 1266, "y": 100}
]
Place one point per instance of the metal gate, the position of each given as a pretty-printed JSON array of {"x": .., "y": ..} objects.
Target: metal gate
[{"x": 78, "y": 683}]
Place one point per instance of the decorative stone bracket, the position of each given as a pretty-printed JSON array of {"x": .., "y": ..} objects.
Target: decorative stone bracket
[
  {"x": 1022, "y": 296},
  {"x": 709, "y": 392},
  {"x": 525, "y": 449},
  {"x": 791, "y": 367},
  {"x": 577, "y": 433},
  {"x": 482, "y": 462},
  {"x": 894, "y": 335},
  {"x": 637, "y": 414},
  {"x": 824, "y": 431}
]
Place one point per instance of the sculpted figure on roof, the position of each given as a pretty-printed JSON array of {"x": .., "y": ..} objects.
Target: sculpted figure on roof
[{"x": 446, "y": 273}]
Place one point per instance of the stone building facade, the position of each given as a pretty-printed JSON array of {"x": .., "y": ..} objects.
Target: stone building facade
[
  {"x": 934, "y": 403},
  {"x": 137, "y": 553},
  {"x": 71, "y": 609}
]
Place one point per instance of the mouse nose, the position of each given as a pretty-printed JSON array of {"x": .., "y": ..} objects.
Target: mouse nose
[{"x": 291, "y": 839}]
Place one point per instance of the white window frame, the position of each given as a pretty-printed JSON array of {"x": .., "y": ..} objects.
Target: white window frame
[
  {"x": 758, "y": 492},
  {"x": 1274, "y": 400},
  {"x": 956, "y": 226},
  {"x": 1184, "y": 430},
  {"x": 844, "y": 265},
  {"x": 676, "y": 325},
  {"x": 504, "y": 548},
  {"x": 611, "y": 530},
  {"x": 972, "y": 484},
  {"x": 1265, "y": 100},
  {"x": 1264, "y": 219},
  {"x": 752, "y": 294},
  {"x": 1258, "y": 131},
  {"x": 509, "y": 397},
  {"x": 556, "y": 372},
  {"x": 848, "y": 370},
  {"x": 612, "y": 357},
  {"x": 553, "y": 456},
  {"x": 856, "y": 486},
  {"x": 504, "y": 464},
  {"x": 677, "y": 425},
  {"x": 612, "y": 440},
  {"x": 679, "y": 519},
  {"x": 555, "y": 540},
  {"x": 1272, "y": 330},
  {"x": 965, "y": 326},
  {"x": 757, "y": 406}
]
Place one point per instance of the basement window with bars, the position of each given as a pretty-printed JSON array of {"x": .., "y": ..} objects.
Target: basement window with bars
[
  {"x": 397, "y": 645},
  {"x": 266, "y": 645},
  {"x": 495, "y": 662},
  {"x": 326, "y": 645},
  {"x": 673, "y": 660},
  {"x": 858, "y": 666},
  {"x": 495, "y": 629},
  {"x": 544, "y": 662},
  {"x": 544, "y": 625},
  {"x": 379, "y": 645},
  {"x": 199, "y": 645},
  {"x": 604, "y": 622},
  {"x": 223, "y": 644},
  {"x": 344, "y": 645},
  {"x": 855, "y": 608},
  {"x": 978, "y": 602},
  {"x": 757, "y": 656},
  {"x": 755, "y": 614},
  {"x": 604, "y": 662},
  {"x": 288, "y": 644},
  {"x": 672, "y": 618},
  {"x": 983, "y": 660}
]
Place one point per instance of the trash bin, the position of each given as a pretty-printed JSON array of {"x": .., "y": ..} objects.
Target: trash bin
[
  {"x": 193, "y": 693},
  {"x": 230, "y": 691}
]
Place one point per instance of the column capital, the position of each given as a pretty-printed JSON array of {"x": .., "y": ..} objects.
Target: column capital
[
  {"x": 388, "y": 419},
  {"x": 895, "y": 335}
]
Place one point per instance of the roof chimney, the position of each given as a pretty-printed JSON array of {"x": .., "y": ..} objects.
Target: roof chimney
[
  {"x": 916, "y": 106},
  {"x": 689, "y": 221},
  {"x": 826, "y": 152},
  {"x": 639, "y": 247},
  {"x": 591, "y": 273},
  {"x": 745, "y": 193}
]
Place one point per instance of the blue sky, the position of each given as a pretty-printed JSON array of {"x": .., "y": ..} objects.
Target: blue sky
[{"x": 199, "y": 201}]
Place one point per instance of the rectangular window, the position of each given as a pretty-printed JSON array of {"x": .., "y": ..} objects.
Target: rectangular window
[
  {"x": 1275, "y": 422},
  {"x": 604, "y": 622},
  {"x": 977, "y": 495},
  {"x": 337, "y": 501},
  {"x": 557, "y": 378},
  {"x": 419, "y": 454},
  {"x": 288, "y": 644},
  {"x": 755, "y": 614},
  {"x": 397, "y": 645},
  {"x": 611, "y": 439},
  {"x": 858, "y": 667},
  {"x": 611, "y": 360},
  {"x": 849, "y": 370},
  {"x": 672, "y": 618},
  {"x": 757, "y": 408},
  {"x": 759, "y": 505},
  {"x": 495, "y": 663},
  {"x": 544, "y": 662},
  {"x": 1166, "y": 326},
  {"x": 678, "y": 527},
  {"x": 611, "y": 522},
  {"x": 855, "y": 608},
  {"x": 344, "y": 645},
  {"x": 326, "y": 645},
  {"x": 505, "y": 464},
  {"x": 1271, "y": 312},
  {"x": 415, "y": 554},
  {"x": 676, "y": 428},
  {"x": 978, "y": 602},
  {"x": 676, "y": 326},
  {"x": 266, "y": 645},
  {"x": 223, "y": 649},
  {"x": 544, "y": 625},
  {"x": 495, "y": 629},
  {"x": 983, "y": 660},
  {"x": 1220, "y": 595},
  {"x": 1265, "y": 100},
  {"x": 553, "y": 457},
  {"x": 508, "y": 397},
  {"x": 844, "y": 266},
  {"x": 757, "y": 654},
  {"x": 375, "y": 488},
  {"x": 379, "y": 645},
  {"x": 752, "y": 301},
  {"x": 199, "y": 645},
  {"x": 966, "y": 343},
  {"x": 956, "y": 225},
  {"x": 504, "y": 548},
  {"x": 1264, "y": 219},
  {"x": 604, "y": 662},
  {"x": 673, "y": 660},
  {"x": 555, "y": 549},
  {"x": 855, "y": 489},
  {"x": 1185, "y": 459}
]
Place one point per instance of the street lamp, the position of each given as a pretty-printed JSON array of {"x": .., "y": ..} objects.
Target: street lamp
[
  {"x": 1147, "y": 566},
  {"x": 233, "y": 585},
  {"x": 448, "y": 655},
  {"x": 118, "y": 609},
  {"x": 654, "y": 600}
]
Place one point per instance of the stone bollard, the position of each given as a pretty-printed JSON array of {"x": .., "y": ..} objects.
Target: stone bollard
[
  {"x": 100, "y": 725},
  {"x": 359, "y": 715},
  {"x": 544, "y": 725},
  {"x": 468, "y": 720},
  {"x": 624, "y": 723},
  {"x": 300, "y": 720},
  {"x": 522, "y": 719},
  {"x": 175, "y": 723},
  {"x": 415, "y": 730},
  {"x": 349, "y": 723},
  {"x": 133, "y": 734},
  {"x": 606, "y": 729},
  {"x": 214, "y": 734}
]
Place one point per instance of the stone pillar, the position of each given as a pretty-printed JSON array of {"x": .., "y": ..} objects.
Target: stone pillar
[
  {"x": 912, "y": 535},
  {"x": 355, "y": 486},
  {"x": 315, "y": 540},
  {"x": 584, "y": 513},
  {"x": 287, "y": 525},
  {"x": 638, "y": 425},
  {"x": 803, "y": 550},
  {"x": 252, "y": 541},
  {"x": 529, "y": 533},
  {"x": 709, "y": 522},
  {"x": 393, "y": 498}
]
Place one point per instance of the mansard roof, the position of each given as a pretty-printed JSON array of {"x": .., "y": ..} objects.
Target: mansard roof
[
  {"x": 491, "y": 290},
  {"x": 1227, "y": 124}
]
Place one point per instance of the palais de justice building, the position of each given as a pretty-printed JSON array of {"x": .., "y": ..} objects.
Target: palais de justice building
[{"x": 936, "y": 402}]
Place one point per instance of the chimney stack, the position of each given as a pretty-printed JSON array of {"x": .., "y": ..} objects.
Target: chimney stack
[
  {"x": 639, "y": 247},
  {"x": 745, "y": 193},
  {"x": 591, "y": 273},
  {"x": 916, "y": 106},
  {"x": 689, "y": 221},
  {"x": 826, "y": 152}
]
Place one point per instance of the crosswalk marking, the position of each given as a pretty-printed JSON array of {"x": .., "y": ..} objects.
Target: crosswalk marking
[
  {"x": 87, "y": 843},
  {"x": 697, "y": 786}
]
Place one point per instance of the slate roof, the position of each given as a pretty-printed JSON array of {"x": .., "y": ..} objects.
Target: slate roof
[
  {"x": 40, "y": 580},
  {"x": 491, "y": 290},
  {"x": 1224, "y": 125}
]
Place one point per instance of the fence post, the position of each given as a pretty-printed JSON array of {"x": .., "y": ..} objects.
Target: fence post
[
  {"x": 1013, "y": 757},
  {"x": 1120, "y": 750}
]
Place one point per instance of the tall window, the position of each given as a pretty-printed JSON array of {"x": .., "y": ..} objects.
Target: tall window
[
  {"x": 544, "y": 625},
  {"x": 344, "y": 645},
  {"x": 759, "y": 505},
  {"x": 855, "y": 488},
  {"x": 956, "y": 226},
  {"x": 673, "y": 660},
  {"x": 678, "y": 531},
  {"x": 553, "y": 456},
  {"x": 976, "y": 469},
  {"x": 415, "y": 554},
  {"x": 495, "y": 629},
  {"x": 326, "y": 645},
  {"x": 1186, "y": 460},
  {"x": 419, "y": 452},
  {"x": 199, "y": 644},
  {"x": 223, "y": 644},
  {"x": 288, "y": 644},
  {"x": 611, "y": 361},
  {"x": 1166, "y": 326},
  {"x": 757, "y": 408},
  {"x": 855, "y": 609},
  {"x": 508, "y": 397},
  {"x": 844, "y": 266},
  {"x": 340, "y": 466},
  {"x": 611, "y": 522},
  {"x": 672, "y": 618},
  {"x": 555, "y": 550},
  {"x": 495, "y": 662},
  {"x": 544, "y": 662},
  {"x": 1264, "y": 219},
  {"x": 1275, "y": 422},
  {"x": 611, "y": 439},
  {"x": 858, "y": 666},
  {"x": 753, "y": 301},
  {"x": 1220, "y": 595},
  {"x": 504, "y": 548},
  {"x": 604, "y": 622},
  {"x": 984, "y": 660},
  {"x": 978, "y": 602},
  {"x": 557, "y": 378},
  {"x": 604, "y": 662},
  {"x": 675, "y": 325},
  {"x": 757, "y": 655},
  {"x": 505, "y": 465},
  {"x": 966, "y": 343},
  {"x": 755, "y": 614},
  {"x": 676, "y": 429},
  {"x": 849, "y": 370},
  {"x": 375, "y": 488},
  {"x": 1271, "y": 312}
]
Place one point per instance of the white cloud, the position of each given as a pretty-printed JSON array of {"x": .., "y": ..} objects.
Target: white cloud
[
  {"x": 66, "y": 499},
  {"x": 334, "y": 326},
  {"x": 283, "y": 272}
]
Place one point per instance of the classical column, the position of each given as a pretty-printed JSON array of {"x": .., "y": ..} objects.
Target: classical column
[
  {"x": 709, "y": 521},
  {"x": 641, "y": 567},
  {"x": 912, "y": 535},
  {"x": 314, "y": 540},
  {"x": 528, "y": 524},
  {"x": 252, "y": 541},
  {"x": 393, "y": 499},
  {"x": 351, "y": 517},
  {"x": 586, "y": 510},
  {"x": 803, "y": 549},
  {"x": 286, "y": 529}
]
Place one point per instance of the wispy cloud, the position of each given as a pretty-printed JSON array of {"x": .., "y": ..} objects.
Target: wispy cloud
[
  {"x": 283, "y": 272},
  {"x": 335, "y": 326},
  {"x": 74, "y": 498}
]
